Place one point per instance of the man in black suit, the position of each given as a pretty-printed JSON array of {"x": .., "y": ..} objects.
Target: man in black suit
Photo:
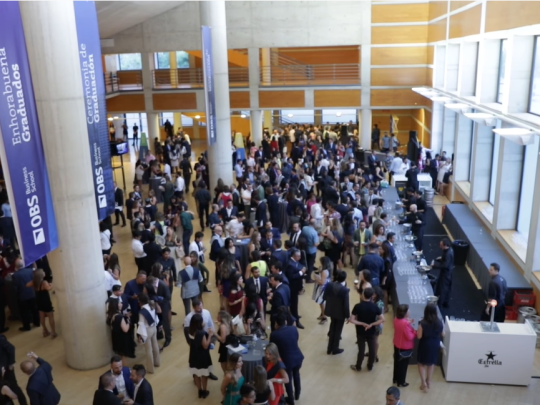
[
  {"x": 445, "y": 263},
  {"x": 390, "y": 240},
  {"x": 273, "y": 206},
  {"x": 276, "y": 233},
  {"x": 295, "y": 273},
  {"x": 143, "y": 389},
  {"x": 336, "y": 296},
  {"x": 227, "y": 213},
  {"x": 260, "y": 213},
  {"x": 279, "y": 295},
  {"x": 279, "y": 255},
  {"x": 412, "y": 176},
  {"x": 162, "y": 295},
  {"x": 25, "y": 295},
  {"x": 7, "y": 362},
  {"x": 123, "y": 386},
  {"x": 295, "y": 234},
  {"x": 267, "y": 244},
  {"x": 105, "y": 395},
  {"x": 260, "y": 283},
  {"x": 40, "y": 387},
  {"x": 330, "y": 194},
  {"x": 286, "y": 339},
  {"x": 119, "y": 205},
  {"x": 152, "y": 250}
]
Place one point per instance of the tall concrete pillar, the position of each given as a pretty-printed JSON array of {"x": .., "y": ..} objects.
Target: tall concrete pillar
[
  {"x": 364, "y": 128},
  {"x": 153, "y": 129},
  {"x": 437, "y": 117},
  {"x": 78, "y": 263},
  {"x": 147, "y": 61},
  {"x": 219, "y": 154},
  {"x": 174, "y": 69},
  {"x": 463, "y": 148},
  {"x": 256, "y": 126},
  {"x": 177, "y": 118},
  {"x": 318, "y": 117}
]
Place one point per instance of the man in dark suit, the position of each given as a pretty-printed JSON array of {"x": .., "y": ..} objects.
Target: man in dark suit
[
  {"x": 390, "y": 240},
  {"x": 25, "y": 295},
  {"x": 143, "y": 389},
  {"x": 295, "y": 273},
  {"x": 279, "y": 295},
  {"x": 330, "y": 194},
  {"x": 273, "y": 206},
  {"x": 279, "y": 255},
  {"x": 105, "y": 395},
  {"x": 162, "y": 295},
  {"x": 276, "y": 233},
  {"x": 40, "y": 387},
  {"x": 260, "y": 283},
  {"x": 7, "y": 361},
  {"x": 445, "y": 263},
  {"x": 286, "y": 339},
  {"x": 227, "y": 213},
  {"x": 260, "y": 213},
  {"x": 295, "y": 234},
  {"x": 336, "y": 296},
  {"x": 412, "y": 176},
  {"x": 123, "y": 386},
  {"x": 119, "y": 205},
  {"x": 152, "y": 250},
  {"x": 374, "y": 263}
]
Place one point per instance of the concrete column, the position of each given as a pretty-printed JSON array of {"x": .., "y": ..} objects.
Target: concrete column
[
  {"x": 452, "y": 66},
  {"x": 177, "y": 118},
  {"x": 111, "y": 63},
  {"x": 532, "y": 262},
  {"x": 517, "y": 81},
  {"x": 153, "y": 129},
  {"x": 482, "y": 162},
  {"x": 78, "y": 263},
  {"x": 275, "y": 118},
  {"x": 147, "y": 60},
  {"x": 506, "y": 205},
  {"x": 318, "y": 117},
  {"x": 439, "y": 66},
  {"x": 267, "y": 118},
  {"x": 365, "y": 128},
  {"x": 463, "y": 148},
  {"x": 437, "y": 118},
  {"x": 253, "y": 70},
  {"x": 449, "y": 132},
  {"x": 266, "y": 64},
  {"x": 256, "y": 126},
  {"x": 219, "y": 154},
  {"x": 196, "y": 134}
]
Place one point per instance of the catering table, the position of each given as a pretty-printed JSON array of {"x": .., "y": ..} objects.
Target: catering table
[
  {"x": 400, "y": 181},
  {"x": 484, "y": 250},
  {"x": 242, "y": 247},
  {"x": 251, "y": 359},
  {"x": 410, "y": 288},
  {"x": 475, "y": 356}
]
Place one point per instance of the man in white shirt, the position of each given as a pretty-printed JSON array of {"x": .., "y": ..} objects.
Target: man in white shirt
[
  {"x": 180, "y": 184},
  {"x": 235, "y": 227},
  {"x": 396, "y": 166},
  {"x": 250, "y": 162},
  {"x": 166, "y": 170},
  {"x": 197, "y": 246},
  {"x": 239, "y": 171},
  {"x": 246, "y": 198},
  {"x": 138, "y": 251}
]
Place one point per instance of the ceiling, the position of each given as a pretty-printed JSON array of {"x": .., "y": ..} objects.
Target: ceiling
[{"x": 117, "y": 16}]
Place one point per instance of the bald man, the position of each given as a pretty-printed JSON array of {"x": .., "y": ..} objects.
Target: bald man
[
  {"x": 417, "y": 221},
  {"x": 40, "y": 388}
]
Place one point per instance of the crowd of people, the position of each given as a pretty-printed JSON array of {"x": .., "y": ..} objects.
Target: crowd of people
[{"x": 302, "y": 194}]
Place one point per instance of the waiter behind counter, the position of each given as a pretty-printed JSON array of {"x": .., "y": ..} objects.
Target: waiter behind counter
[{"x": 417, "y": 221}]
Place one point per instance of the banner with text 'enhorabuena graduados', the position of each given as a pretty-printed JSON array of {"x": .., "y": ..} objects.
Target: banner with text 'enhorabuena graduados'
[
  {"x": 95, "y": 105},
  {"x": 23, "y": 160}
]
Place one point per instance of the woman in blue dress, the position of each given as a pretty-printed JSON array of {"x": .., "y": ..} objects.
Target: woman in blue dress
[{"x": 429, "y": 333}]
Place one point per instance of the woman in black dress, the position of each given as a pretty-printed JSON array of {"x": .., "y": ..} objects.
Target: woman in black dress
[
  {"x": 43, "y": 302},
  {"x": 223, "y": 332},
  {"x": 122, "y": 341},
  {"x": 429, "y": 333},
  {"x": 264, "y": 389},
  {"x": 200, "y": 362}
]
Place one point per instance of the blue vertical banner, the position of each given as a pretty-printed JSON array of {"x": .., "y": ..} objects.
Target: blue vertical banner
[
  {"x": 95, "y": 105},
  {"x": 208, "y": 75},
  {"x": 23, "y": 160}
]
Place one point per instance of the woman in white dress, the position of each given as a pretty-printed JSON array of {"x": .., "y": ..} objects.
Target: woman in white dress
[
  {"x": 443, "y": 169},
  {"x": 321, "y": 278}
]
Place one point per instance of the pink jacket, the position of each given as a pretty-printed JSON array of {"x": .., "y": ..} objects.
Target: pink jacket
[{"x": 404, "y": 334}]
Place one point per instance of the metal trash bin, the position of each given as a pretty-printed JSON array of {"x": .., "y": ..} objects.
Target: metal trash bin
[
  {"x": 461, "y": 250},
  {"x": 428, "y": 196},
  {"x": 525, "y": 312}
]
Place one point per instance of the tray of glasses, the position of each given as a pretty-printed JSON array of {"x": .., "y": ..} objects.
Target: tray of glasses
[
  {"x": 407, "y": 268},
  {"x": 417, "y": 294}
]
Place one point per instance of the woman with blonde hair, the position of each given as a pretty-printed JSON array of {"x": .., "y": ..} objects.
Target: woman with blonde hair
[
  {"x": 275, "y": 372},
  {"x": 255, "y": 242},
  {"x": 264, "y": 389},
  {"x": 233, "y": 380},
  {"x": 43, "y": 302},
  {"x": 224, "y": 321},
  {"x": 176, "y": 247}
]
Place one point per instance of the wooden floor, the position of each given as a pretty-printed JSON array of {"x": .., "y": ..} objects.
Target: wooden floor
[{"x": 325, "y": 379}]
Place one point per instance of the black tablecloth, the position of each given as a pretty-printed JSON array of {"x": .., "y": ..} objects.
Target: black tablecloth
[
  {"x": 484, "y": 250},
  {"x": 253, "y": 358}
]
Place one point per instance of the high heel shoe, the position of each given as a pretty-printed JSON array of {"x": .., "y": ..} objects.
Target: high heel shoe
[
  {"x": 205, "y": 393},
  {"x": 201, "y": 393},
  {"x": 403, "y": 385}
]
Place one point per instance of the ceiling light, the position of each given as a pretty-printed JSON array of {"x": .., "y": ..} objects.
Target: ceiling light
[
  {"x": 521, "y": 136},
  {"x": 243, "y": 116},
  {"x": 109, "y": 119},
  {"x": 486, "y": 119},
  {"x": 115, "y": 117},
  {"x": 458, "y": 107},
  {"x": 197, "y": 117},
  {"x": 289, "y": 115},
  {"x": 338, "y": 114}
]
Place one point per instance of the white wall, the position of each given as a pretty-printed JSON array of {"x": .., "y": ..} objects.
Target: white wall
[{"x": 250, "y": 25}]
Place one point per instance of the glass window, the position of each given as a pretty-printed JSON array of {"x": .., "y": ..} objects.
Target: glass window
[
  {"x": 475, "y": 69},
  {"x": 502, "y": 69},
  {"x": 187, "y": 121},
  {"x": 166, "y": 116},
  {"x": 530, "y": 158},
  {"x": 338, "y": 115},
  {"x": 162, "y": 60},
  {"x": 473, "y": 129},
  {"x": 494, "y": 168},
  {"x": 534, "y": 97},
  {"x": 129, "y": 61},
  {"x": 182, "y": 60},
  {"x": 298, "y": 116}
]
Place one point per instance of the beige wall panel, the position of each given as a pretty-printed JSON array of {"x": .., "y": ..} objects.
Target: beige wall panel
[
  {"x": 389, "y": 13},
  {"x": 239, "y": 99},
  {"x": 437, "y": 31},
  {"x": 503, "y": 15},
  {"x": 427, "y": 122},
  {"x": 454, "y": 5},
  {"x": 126, "y": 103},
  {"x": 399, "y": 77},
  {"x": 437, "y": 8},
  {"x": 337, "y": 98},
  {"x": 429, "y": 77},
  {"x": 409, "y": 34},
  {"x": 413, "y": 55},
  {"x": 281, "y": 99},
  {"x": 466, "y": 23},
  {"x": 396, "y": 97},
  {"x": 174, "y": 101},
  {"x": 430, "y": 53}
]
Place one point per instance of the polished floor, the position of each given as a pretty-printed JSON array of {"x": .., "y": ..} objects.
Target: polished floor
[{"x": 325, "y": 379}]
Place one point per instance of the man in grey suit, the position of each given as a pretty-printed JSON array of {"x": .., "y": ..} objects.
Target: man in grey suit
[{"x": 336, "y": 296}]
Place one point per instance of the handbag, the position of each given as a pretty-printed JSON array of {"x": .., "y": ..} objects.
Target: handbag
[
  {"x": 179, "y": 250},
  {"x": 405, "y": 354}
]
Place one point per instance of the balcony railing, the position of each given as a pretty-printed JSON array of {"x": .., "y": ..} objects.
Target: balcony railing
[
  {"x": 123, "y": 80},
  {"x": 295, "y": 75},
  {"x": 193, "y": 77}
]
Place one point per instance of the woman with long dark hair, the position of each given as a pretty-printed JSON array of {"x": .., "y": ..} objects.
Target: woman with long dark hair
[
  {"x": 122, "y": 341},
  {"x": 264, "y": 389},
  {"x": 348, "y": 231},
  {"x": 233, "y": 380},
  {"x": 236, "y": 294},
  {"x": 429, "y": 333}
]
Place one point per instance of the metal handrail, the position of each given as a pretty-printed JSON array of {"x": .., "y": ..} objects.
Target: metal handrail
[
  {"x": 325, "y": 74},
  {"x": 193, "y": 77},
  {"x": 123, "y": 80}
]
